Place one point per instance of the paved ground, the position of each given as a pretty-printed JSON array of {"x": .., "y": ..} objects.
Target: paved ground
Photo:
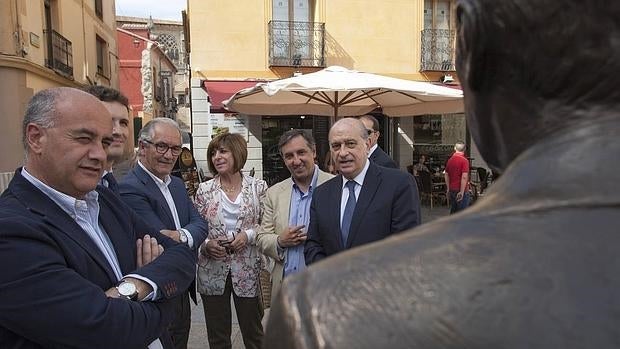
[{"x": 198, "y": 332}]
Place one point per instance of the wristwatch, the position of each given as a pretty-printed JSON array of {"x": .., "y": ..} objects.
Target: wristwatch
[
  {"x": 182, "y": 237},
  {"x": 127, "y": 290}
]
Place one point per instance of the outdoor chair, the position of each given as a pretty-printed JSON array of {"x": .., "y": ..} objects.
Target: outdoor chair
[{"x": 431, "y": 191}]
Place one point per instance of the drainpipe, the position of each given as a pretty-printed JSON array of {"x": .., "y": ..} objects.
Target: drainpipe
[
  {"x": 19, "y": 47},
  {"x": 85, "y": 72}
]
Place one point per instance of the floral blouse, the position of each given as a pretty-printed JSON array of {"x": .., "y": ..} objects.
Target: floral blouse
[{"x": 244, "y": 265}]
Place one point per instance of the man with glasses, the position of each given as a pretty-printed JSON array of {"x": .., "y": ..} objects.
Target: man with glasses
[
  {"x": 162, "y": 200},
  {"x": 376, "y": 154}
]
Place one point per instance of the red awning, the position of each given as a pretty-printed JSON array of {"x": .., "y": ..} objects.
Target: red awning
[{"x": 221, "y": 90}]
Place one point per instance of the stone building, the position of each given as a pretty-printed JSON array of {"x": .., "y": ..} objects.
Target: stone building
[
  {"x": 169, "y": 37},
  {"x": 50, "y": 43}
]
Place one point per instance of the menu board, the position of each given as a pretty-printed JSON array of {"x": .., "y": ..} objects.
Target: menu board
[
  {"x": 229, "y": 122},
  {"x": 185, "y": 168}
]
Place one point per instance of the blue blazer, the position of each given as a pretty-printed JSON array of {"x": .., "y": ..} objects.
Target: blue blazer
[
  {"x": 54, "y": 276},
  {"x": 140, "y": 192},
  {"x": 387, "y": 204}
]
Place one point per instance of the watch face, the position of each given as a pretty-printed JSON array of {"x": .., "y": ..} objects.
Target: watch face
[
  {"x": 182, "y": 237},
  {"x": 127, "y": 289}
]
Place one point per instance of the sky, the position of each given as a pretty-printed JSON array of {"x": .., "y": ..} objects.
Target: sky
[{"x": 159, "y": 9}]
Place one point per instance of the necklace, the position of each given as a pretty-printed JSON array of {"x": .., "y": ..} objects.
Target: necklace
[{"x": 229, "y": 190}]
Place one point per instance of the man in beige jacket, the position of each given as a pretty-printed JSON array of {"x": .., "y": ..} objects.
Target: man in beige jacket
[{"x": 287, "y": 207}]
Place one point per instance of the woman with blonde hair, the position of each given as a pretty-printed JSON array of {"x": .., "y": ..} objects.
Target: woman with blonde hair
[{"x": 229, "y": 262}]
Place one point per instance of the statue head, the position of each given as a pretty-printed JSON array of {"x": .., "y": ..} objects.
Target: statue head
[{"x": 533, "y": 68}]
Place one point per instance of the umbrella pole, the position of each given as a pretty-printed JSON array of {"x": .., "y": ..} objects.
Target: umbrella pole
[{"x": 335, "y": 117}]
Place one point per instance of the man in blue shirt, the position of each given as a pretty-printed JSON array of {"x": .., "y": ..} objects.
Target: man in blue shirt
[{"x": 287, "y": 206}]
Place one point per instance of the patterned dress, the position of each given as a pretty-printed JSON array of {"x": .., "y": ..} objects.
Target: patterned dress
[{"x": 244, "y": 265}]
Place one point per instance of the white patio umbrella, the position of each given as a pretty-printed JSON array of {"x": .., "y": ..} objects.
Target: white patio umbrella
[{"x": 338, "y": 92}]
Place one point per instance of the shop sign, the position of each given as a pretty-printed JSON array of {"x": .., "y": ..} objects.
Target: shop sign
[{"x": 229, "y": 122}]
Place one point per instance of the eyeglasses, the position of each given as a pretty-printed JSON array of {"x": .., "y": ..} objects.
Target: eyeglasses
[{"x": 162, "y": 148}]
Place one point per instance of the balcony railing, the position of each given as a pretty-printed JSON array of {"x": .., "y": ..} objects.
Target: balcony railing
[
  {"x": 438, "y": 50},
  {"x": 296, "y": 44},
  {"x": 60, "y": 55}
]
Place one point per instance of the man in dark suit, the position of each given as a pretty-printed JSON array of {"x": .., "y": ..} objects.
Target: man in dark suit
[
  {"x": 118, "y": 107},
  {"x": 375, "y": 153},
  {"x": 162, "y": 201},
  {"x": 78, "y": 269},
  {"x": 365, "y": 203}
]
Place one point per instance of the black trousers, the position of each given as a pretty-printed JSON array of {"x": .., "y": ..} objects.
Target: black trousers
[
  {"x": 179, "y": 328},
  {"x": 218, "y": 317}
]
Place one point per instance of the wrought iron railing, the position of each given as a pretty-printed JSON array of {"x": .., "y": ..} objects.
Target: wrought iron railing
[
  {"x": 296, "y": 44},
  {"x": 60, "y": 55},
  {"x": 438, "y": 50}
]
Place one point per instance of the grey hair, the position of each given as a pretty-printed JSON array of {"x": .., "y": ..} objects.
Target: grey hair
[
  {"x": 459, "y": 146},
  {"x": 351, "y": 121},
  {"x": 147, "y": 132},
  {"x": 41, "y": 110}
]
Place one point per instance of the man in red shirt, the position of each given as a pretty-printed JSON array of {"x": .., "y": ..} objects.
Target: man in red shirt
[{"x": 457, "y": 178}]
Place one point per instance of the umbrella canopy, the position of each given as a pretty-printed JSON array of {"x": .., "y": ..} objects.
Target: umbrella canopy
[{"x": 339, "y": 92}]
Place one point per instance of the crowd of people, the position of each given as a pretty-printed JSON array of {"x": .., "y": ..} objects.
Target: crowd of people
[
  {"x": 94, "y": 261},
  {"x": 119, "y": 244}
]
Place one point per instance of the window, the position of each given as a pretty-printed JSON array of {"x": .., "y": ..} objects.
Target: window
[
  {"x": 102, "y": 57},
  {"x": 438, "y": 35},
  {"x": 295, "y": 39},
  {"x": 169, "y": 45},
  {"x": 99, "y": 9}
]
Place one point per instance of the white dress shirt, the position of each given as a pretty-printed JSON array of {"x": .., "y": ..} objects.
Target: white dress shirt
[{"x": 359, "y": 181}]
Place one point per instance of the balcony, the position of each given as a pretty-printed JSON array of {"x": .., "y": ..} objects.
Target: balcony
[
  {"x": 438, "y": 50},
  {"x": 60, "y": 54},
  {"x": 296, "y": 44}
]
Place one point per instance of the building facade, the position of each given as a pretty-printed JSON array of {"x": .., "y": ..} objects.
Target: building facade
[
  {"x": 236, "y": 44},
  {"x": 49, "y": 43},
  {"x": 170, "y": 40},
  {"x": 147, "y": 77}
]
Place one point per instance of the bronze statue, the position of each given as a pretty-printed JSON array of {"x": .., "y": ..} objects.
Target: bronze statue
[{"x": 534, "y": 264}]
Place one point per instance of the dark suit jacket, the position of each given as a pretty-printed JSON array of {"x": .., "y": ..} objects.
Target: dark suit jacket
[
  {"x": 380, "y": 158},
  {"x": 388, "y": 203},
  {"x": 54, "y": 276},
  {"x": 140, "y": 192}
]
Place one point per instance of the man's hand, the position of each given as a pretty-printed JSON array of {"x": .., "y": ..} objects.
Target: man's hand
[
  {"x": 173, "y": 234},
  {"x": 459, "y": 196},
  {"x": 292, "y": 236},
  {"x": 212, "y": 249},
  {"x": 147, "y": 250},
  {"x": 144, "y": 289}
]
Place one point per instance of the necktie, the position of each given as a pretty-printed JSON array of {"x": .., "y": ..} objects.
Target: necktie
[
  {"x": 348, "y": 212},
  {"x": 112, "y": 184}
]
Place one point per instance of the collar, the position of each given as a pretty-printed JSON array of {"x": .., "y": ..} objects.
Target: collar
[
  {"x": 66, "y": 202},
  {"x": 359, "y": 179},
  {"x": 158, "y": 181},
  {"x": 315, "y": 177},
  {"x": 372, "y": 149},
  {"x": 545, "y": 177}
]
